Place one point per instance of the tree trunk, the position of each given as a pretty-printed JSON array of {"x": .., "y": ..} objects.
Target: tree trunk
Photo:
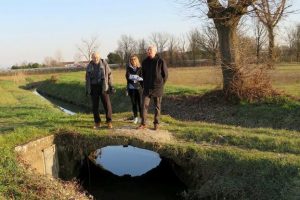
[
  {"x": 271, "y": 58},
  {"x": 257, "y": 54},
  {"x": 171, "y": 57},
  {"x": 228, "y": 51},
  {"x": 214, "y": 59},
  {"x": 194, "y": 58}
]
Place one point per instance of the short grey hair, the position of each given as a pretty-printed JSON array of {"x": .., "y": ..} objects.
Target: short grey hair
[
  {"x": 96, "y": 54},
  {"x": 152, "y": 46}
]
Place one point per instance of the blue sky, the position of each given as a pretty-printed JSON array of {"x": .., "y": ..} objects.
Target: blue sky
[{"x": 34, "y": 29}]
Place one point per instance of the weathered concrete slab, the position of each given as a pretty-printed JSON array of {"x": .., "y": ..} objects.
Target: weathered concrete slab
[{"x": 40, "y": 155}]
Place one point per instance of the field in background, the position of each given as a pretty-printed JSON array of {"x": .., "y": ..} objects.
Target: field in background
[{"x": 286, "y": 78}]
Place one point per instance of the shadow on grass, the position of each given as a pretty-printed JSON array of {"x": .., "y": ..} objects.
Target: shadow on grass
[
  {"x": 33, "y": 85},
  {"x": 277, "y": 113},
  {"x": 74, "y": 93},
  {"x": 212, "y": 107}
]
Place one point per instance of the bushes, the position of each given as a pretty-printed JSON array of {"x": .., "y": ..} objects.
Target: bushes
[
  {"x": 28, "y": 66},
  {"x": 251, "y": 84}
]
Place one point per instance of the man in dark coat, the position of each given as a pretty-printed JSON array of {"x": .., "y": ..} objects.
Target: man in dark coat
[{"x": 154, "y": 74}]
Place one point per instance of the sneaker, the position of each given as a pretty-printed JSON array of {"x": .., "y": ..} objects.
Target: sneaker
[
  {"x": 156, "y": 127},
  {"x": 96, "y": 126},
  {"x": 109, "y": 125},
  {"x": 142, "y": 127},
  {"x": 139, "y": 120},
  {"x": 135, "y": 120}
]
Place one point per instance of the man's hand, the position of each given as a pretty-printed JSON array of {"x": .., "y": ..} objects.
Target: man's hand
[{"x": 111, "y": 90}]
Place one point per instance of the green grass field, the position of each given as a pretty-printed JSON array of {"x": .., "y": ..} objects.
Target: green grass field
[{"x": 243, "y": 162}]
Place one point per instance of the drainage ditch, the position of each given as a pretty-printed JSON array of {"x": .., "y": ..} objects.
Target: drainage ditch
[
  {"x": 67, "y": 108},
  {"x": 108, "y": 168},
  {"x": 113, "y": 171}
]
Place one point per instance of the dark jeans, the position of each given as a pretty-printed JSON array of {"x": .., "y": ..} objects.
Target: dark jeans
[
  {"x": 96, "y": 95},
  {"x": 157, "y": 106},
  {"x": 136, "y": 101}
]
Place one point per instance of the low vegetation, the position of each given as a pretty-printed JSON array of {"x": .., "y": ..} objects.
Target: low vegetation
[{"x": 228, "y": 158}]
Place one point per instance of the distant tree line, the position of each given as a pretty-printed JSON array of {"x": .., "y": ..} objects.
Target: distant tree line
[
  {"x": 200, "y": 46},
  {"x": 27, "y": 66},
  {"x": 291, "y": 51}
]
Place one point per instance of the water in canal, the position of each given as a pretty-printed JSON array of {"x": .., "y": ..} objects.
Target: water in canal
[{"x": 127, "y": 172}]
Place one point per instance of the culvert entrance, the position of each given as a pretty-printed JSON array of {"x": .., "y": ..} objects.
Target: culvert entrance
[
  {"x": 138, "y": 174},
  {"x": 127, "y": 172},
  {"x": 125, "y": 160}
]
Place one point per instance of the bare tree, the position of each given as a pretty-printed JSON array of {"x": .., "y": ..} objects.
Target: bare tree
[
  {"x": 163, "y": 39},
  {"x": 88, "y": 46},
  {"x": 77, "y": 57},
  {"x": 142, "y": 47},
  {"x": 172, "y": 48},
  {"x": 154, "y": 39},
  {"x": 260, "y": 38},
  {"x": 50, "y": 62},
  {"x": 160, "y": 40},
  {"x": 297, "y": 42},
  {"x": 121, "y": 54},
  {"x": 293, "y": 37},
  {"x": 193, "y": 38},
  {"x": 226, "y": 16},
  {"x": 269, "y": 12},
  {"x": 126, "y": 46},
  {"x": 208, "y": 41},
  {"x": 182, "y": 48}
]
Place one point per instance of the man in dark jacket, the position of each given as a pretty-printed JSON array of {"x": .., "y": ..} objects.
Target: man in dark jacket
[
  {"x": 154, "y": 74},
  {"x": 98, "y": 85}
]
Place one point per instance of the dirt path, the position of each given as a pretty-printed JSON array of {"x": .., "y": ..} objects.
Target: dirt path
[{"x": 147, "y": 135}]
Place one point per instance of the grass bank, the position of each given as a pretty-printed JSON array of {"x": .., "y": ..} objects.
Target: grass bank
[
  {"x": 188, "y": 103},
  {"x": 224, "y": 161}
]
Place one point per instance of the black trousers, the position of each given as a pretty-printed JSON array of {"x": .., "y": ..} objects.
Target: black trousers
[
  {"x": 157, "y": 106},
  {"x": 136, "y": 101},
  {"x": 96, "y": 95}
]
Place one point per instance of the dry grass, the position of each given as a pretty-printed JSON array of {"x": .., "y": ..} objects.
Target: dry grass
[
  {"x": 252, "y": 83},
  {"x": 195, "y": 76},
  {"x": 184, "y": 76},
  {"x": 19, "y": 77},
  {"x": 285, "y": 77}
]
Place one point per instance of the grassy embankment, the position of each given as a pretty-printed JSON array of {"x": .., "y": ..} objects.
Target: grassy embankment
[
  {"x": 182, "y": 100},
  {"x": 243, "y": 163}
]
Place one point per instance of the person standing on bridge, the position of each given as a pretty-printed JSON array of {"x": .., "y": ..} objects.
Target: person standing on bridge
[
  {"x": 99, "y": 85},
  {"x": 134, "y": 86},
  {"x": 155, "y": 75}
]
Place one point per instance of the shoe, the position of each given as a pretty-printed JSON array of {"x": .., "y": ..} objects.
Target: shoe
[
  {"x": 135, "y": 120},
  {"x": 96, "y": 126},
  {"x": 131, "y": 118},
  {"x": 156, "y": 127},
  {"x": 109, "y": 125},
  {"x": 141, "y": 127}
]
